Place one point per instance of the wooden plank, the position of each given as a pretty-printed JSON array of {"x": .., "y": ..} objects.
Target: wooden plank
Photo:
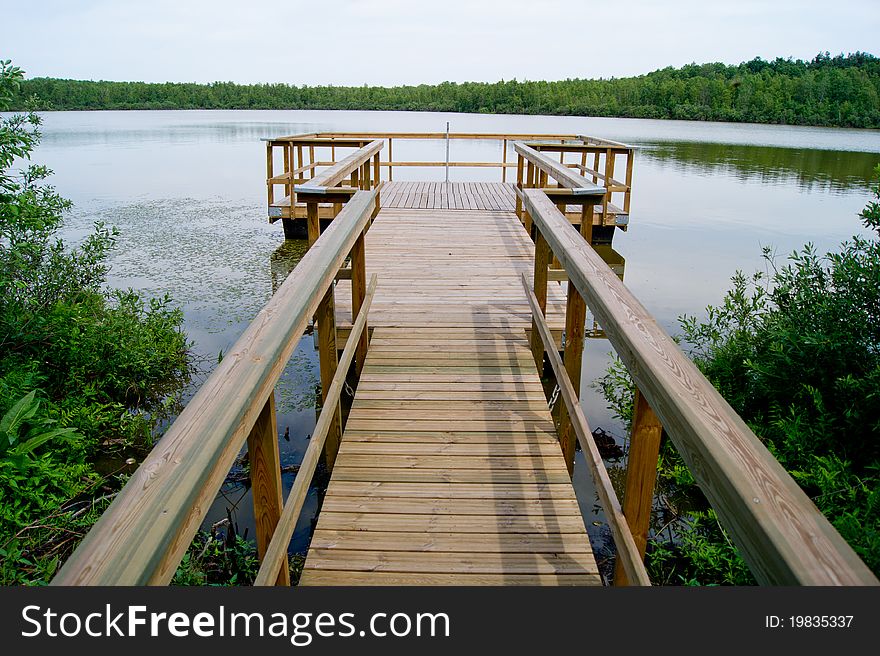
[
  {"x": 451, "y": 491},
  {"x": 498, "y": 524},
  {"x": 434, "y": 507},
  {"x": 491, "y": 463},
  {"x": 486, "y": 449},
  {"x": 330, "y": 577},
  {"x": 536, "y": 543},
  {"x": 477, "y": 563},
  {"x": 454, "y": 437},
  {"x": 435, "y": 475}
]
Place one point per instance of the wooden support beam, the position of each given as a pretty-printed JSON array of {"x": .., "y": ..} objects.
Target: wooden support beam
[
  {"x": 314, "y": 222},
  {"x": 270, "y": 172},
  {"x": 542, "y": 262},
  {"x": 265, "y": 466},
  {"x": 641, "y": 475},
  {"x": 358, "y": 294},
  {"x": 629, "y": 175},
  {"x": 390, "y": 162},
  {"x": 325, "y": 318},
  {"x": 575, "y": 317}
]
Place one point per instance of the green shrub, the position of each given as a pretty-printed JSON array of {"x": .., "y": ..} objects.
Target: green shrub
[{"x": 84, "y": 370}]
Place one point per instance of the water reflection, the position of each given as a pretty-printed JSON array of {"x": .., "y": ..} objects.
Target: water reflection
[
  {"x": 284, "y": 258},
  {"x": 808, "y": 169}
]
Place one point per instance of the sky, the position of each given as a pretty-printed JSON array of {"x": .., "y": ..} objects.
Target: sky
[{"x": 393, "y": 42}]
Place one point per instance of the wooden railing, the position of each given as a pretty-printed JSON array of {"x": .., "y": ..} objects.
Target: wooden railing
[
  {"x": 302, "y": 156},
  {"x": 629, "y": 555},
  {"x": 780, "y": 533},
  {"x": 145, "y": 532}
]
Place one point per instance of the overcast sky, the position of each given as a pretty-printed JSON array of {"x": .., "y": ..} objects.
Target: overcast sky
[{"x": 392, "y": 42}]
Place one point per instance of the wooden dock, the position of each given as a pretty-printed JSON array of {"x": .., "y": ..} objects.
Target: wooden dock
[{"x": 450, "y": 471}]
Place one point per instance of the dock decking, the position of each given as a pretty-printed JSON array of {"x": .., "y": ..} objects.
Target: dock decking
[{"x": 450, "y": 471}]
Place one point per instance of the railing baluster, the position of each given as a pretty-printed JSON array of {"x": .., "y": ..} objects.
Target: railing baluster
[
  {"x": 270, "y": 171},
  {"x": 265, "y": 466},
  {"x": 519, "y": 185},
  {"x": 629, "y": 177},
  {"x": 641, "y": 475}
]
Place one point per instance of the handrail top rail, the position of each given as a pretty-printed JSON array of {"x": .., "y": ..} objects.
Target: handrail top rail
[
  {"x": 599, "y": 141},
  {"x": 355, "y": 136},
  {"x": 577, "y": 145},
  {"x": 559, "y": 172},
  {"x": 309, "y": 140},
  {"x": 141, "y": 537},
  {"x": 779, "y": 531}
]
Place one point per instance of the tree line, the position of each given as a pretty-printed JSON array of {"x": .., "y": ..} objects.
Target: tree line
[{"x": 838, "y": 91}]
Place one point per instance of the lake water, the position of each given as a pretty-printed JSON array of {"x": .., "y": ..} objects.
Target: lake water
[{"x": 187, "y": 190}]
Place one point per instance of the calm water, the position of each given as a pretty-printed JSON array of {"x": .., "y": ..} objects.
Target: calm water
[{"x": 187, "y": 191}]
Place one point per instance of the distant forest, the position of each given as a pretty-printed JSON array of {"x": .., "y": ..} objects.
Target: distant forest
[{"x": 841, "y": 91}]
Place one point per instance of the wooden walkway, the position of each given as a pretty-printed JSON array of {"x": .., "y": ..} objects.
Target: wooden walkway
[
  {"x": 450, "y": 471},
  {"x": 449, "y": 195}
]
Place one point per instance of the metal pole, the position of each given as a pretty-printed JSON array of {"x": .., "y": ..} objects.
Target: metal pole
[{"x": 447, "y": 151}]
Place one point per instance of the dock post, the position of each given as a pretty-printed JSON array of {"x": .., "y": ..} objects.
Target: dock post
[
  {"x": 358, "y": 294},
  {"x": 641, "y": 475},
  {"x": 575, "y": 317},
  {"x": 328, "y": 361},
  {"x": 542, "y": 260},
  {"x": 265, "y": 465}
]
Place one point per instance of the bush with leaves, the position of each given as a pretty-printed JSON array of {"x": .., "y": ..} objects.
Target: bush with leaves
[
  {"x": 796, "y": 353},
  {"x": 83, "y": 370}
]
